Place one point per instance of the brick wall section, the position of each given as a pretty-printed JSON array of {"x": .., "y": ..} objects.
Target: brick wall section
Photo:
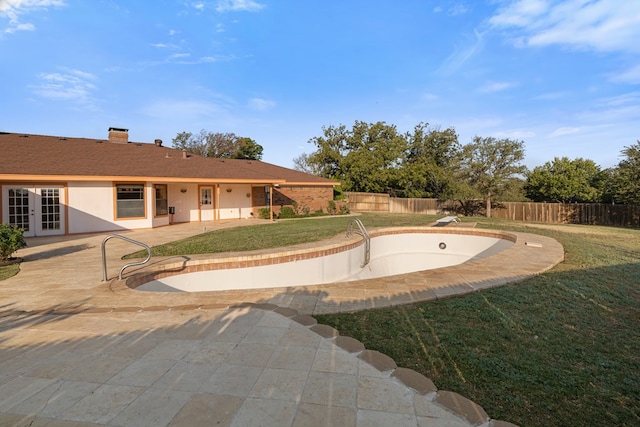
[
  {"x": 258, "y": 199},
  {"x": 314, "y": 197}
]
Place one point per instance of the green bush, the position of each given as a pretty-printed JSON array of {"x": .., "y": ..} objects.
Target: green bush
[
  {"x": 331, "y": 207},
  {"x": 287, "y": 212},
  {"x": 11, "y": 239},
  {"x": 344, "y": 210},
  {"x": 300, "y": 209},
  {"x": 264, "y": 213}
]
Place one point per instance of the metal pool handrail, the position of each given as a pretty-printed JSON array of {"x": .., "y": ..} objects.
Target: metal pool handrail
[
  {"x": 363, "y": 232},
  {"x": 131, "y": 264}
]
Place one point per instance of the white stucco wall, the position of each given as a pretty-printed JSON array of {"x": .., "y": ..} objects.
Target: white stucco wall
[
  {"x": 235, "y": 204},
  {"x": 91, "y": 208},
  {"x": 186, "y": 203}
]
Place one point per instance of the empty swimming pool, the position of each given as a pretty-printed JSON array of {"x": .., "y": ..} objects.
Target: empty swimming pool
[{"x": 392, "y": 252}]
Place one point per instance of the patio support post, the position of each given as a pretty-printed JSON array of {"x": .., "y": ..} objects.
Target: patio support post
[
  {"x": 270, "y": 202},
  {"x": 216, "y": 211}
]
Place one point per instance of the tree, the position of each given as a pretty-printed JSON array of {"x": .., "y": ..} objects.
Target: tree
[
  {"x": 566, "y": 181},
  {"x": 624, "y": 182},
  {"x": 217, "y": 144},
  {"x": 375, "y": 157},
  {"x": 374, "y": 160},
  {"x": 330, "y": 151},
  {"x": 366, "y": 158},
  {"x": 489, "y": 164},
  {"x": 301, "y": 163},
  {"x": 430, "y": 158},
  {"x": 247, "y": 149}
]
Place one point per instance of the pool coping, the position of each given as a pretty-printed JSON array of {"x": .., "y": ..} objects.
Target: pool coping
[
  {"x": 85, "y": 297},
  {"x": 531, "y": 254}
]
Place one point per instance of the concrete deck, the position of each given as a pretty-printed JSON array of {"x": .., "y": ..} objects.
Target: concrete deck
[{"x": 76, "y": 351}]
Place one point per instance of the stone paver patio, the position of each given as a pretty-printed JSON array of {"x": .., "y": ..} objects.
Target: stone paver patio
[{"x": 75, "y": 351}]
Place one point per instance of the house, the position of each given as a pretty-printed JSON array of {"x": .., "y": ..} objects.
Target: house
[{"x": 56, "y": 185}]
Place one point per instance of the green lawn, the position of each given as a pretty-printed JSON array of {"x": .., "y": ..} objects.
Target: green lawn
[
  {"x": 10, "y": 270},
  {"x": 560, "y": 349},
  {"x": 280, "y": 233}
]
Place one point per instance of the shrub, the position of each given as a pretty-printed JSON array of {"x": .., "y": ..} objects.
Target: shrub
[
  {"x": 319, "y": 212},
  {"x": 344, "y": 210},
  {"x": 11, "y": 239},
  {"x": 331, "y": 207},
  {"x": 287, "y": 212},
  {"x": 300, "y": 209},
  {"x": 264, "y": 213}
]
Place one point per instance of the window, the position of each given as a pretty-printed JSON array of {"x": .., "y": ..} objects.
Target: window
[
  {"x": 129, "y": 200},
  {"x": 206, "y": 197},
  {"x": 161, "y": 200}
]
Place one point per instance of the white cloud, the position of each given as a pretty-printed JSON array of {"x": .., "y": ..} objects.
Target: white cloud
[
  {"x": 178, "y": 56},
  {"x": 261, "y": 104},
  {"x": 564, "y": 131},
  {"x": 521, "y": 13},
  {"x": 165, "y": 46},
  {"x": 457, "y": 9},
  {"x": 70, "y": 85},
  {"x": 13, "y": 9},
  {"x": 620, "y": 110},
  {"x": 496, "y": 87},
  {"x": 624, "y": 99},
  {"x": 601, "y": 25},
  {"x": 461, "y": 55},
  {"x": 631, "y": 75},
  {"x": 186, "y": 59},
  {"x": 208, "y": 59},
  {"x": 239, "y": 6}
]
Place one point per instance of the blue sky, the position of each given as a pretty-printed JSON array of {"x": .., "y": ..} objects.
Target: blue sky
[{"x": 562, "y": 76}]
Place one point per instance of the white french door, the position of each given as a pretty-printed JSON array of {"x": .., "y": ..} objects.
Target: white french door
[
  {"x": 206, "y": 203},
  {"x": 39, "y": 211}
]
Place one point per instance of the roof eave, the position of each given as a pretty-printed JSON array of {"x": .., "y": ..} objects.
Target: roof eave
[{"x": 105, "y": 178}]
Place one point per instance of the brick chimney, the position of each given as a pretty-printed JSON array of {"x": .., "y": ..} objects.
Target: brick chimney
[{"x": 119, "y": 135}]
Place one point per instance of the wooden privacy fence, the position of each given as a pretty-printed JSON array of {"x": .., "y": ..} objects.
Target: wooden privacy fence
[
  {"x": 421, "y": 206},
  {"x": 378, "y": 202},
  {"x": 570, "y": 213},
  {"x": 368, "y": 202},
  {"x": 552, "y": 213}
]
